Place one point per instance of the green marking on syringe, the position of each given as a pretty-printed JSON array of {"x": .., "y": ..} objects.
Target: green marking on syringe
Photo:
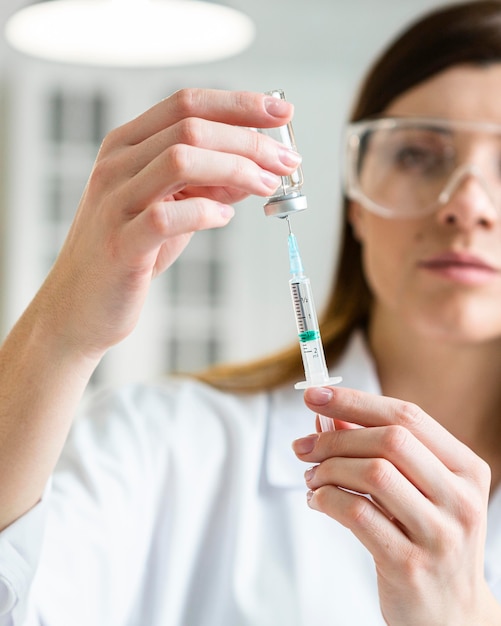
[{"x": 309, "y": 335}]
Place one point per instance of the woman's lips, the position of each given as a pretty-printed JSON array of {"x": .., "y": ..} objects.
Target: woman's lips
[{"x": 460, "y": 267}]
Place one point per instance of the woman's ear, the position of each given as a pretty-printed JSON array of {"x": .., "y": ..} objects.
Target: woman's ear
[{"x": 356, "y": 217}]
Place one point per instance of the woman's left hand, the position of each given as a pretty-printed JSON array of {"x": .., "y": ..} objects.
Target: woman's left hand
[{"x": 425, "y": 520}]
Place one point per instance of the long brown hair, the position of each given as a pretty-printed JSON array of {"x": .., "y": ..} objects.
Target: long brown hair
[{"x": 469, "y": 33}]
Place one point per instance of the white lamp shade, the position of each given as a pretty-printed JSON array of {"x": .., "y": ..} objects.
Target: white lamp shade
[{"x": 129, "y": 33}]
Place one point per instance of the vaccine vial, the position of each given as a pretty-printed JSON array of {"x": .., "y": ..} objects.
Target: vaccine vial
[{"x": 289, "y": 197}]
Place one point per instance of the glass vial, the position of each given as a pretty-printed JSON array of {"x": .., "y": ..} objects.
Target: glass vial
[{"x": 289, "y": 197}]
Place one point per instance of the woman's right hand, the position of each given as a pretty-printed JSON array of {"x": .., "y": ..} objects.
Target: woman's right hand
[{"x": 175, "y": 169}]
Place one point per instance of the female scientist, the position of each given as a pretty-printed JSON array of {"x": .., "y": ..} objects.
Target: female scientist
[{"x": 181, "y": 504}]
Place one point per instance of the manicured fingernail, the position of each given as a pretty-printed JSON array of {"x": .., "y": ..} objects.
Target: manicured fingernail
[
  {"x": 270, "y": 180},
  {"x": 305, "y": 444},
  {"x": 276, "y": 106},
  {"x": 227, "y": 211},
  {"x": 289, "y": 157},
  {"x": 309, "y": 496},
  {"x": 310, "y": 473},
  {"x": 319, "y": 395}
]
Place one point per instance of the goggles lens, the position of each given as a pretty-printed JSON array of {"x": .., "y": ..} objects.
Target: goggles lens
[{"x": 407, "y": 167}]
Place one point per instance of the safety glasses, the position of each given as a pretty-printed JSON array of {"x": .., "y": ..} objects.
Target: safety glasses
[{"x": 407, "y": 167}]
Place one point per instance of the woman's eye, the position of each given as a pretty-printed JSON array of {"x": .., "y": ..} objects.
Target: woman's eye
[{"x": 412, "y": 157}]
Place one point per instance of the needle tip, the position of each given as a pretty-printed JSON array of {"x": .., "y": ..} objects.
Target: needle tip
[{"x": 289, "y": 224}]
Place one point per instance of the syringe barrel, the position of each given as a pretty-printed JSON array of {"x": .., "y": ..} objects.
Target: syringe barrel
[
  {"x": 304, "y": 308},
  {"x": 310, "y": 342},
  {"x": 289, "y": 197}
]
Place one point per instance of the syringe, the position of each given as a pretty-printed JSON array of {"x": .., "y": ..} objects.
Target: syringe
[
  {"x": 312, "y": 351},
  {"x": 286, "y": 200}
]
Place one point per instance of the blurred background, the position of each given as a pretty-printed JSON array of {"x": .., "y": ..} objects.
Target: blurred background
[{"x": 227, "y": 297}]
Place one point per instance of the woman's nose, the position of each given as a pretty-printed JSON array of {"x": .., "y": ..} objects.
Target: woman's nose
[{"x": 468, "y": 202}]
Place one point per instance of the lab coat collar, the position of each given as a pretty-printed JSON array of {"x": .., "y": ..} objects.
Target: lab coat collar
[
  {"x": 289, "y": 418},
  {"x": 493, "y": 543}
]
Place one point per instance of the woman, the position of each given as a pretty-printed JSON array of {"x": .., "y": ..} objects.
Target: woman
[{"x": 181, "y": 504}]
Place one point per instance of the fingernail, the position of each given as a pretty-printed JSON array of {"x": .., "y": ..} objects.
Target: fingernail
[
  {"x": 227, "y": 211},
  {"x": 319, "y": 395},
  {"x": 270, "y": 180},
  {"x": 276, "y": 106},
  {"x": 310, "y": 473},
  {"x": 309, "y": 496},
  {"x": 289, "y": 157},
  {"x": 305, "y": 444}
]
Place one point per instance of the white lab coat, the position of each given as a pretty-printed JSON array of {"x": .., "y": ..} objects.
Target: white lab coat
[{"x": 177, "y": 505}]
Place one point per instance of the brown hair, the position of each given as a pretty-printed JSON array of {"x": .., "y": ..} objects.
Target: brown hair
[{"x": 468, "y": 32}]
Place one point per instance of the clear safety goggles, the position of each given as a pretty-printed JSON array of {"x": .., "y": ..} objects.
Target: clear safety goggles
[{"x": 410, "y": 166}]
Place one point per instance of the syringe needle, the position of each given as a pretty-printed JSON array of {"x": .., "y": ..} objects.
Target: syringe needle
[{"x": 289, "y": 224}]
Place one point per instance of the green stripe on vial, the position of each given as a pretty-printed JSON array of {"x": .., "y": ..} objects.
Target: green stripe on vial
[{"x": 309, "y": 335}]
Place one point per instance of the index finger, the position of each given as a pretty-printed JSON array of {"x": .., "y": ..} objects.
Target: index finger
[
  {"x": 239, "y": 108},
  {"x": 358, "y": 407}
]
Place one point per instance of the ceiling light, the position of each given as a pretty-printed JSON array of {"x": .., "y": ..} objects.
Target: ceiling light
[{"x": 129, "y": 33}]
